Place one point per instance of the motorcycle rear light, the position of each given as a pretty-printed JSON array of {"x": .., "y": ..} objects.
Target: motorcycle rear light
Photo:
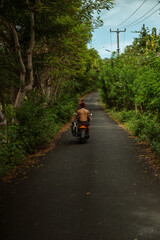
[{"x": 82, "y": 126}]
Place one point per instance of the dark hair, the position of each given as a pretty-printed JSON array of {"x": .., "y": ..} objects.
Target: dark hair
[{"x": 82, "y": 104}]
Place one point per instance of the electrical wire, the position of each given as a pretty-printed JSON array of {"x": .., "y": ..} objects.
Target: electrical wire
[
  {"x": 135, "y": 22},
  {"x": 131, "y": 14},
  {"x": 144, "y": 18}
]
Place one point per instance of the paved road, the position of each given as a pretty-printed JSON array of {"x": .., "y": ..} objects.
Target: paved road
[{"x": 93, "y": 191}]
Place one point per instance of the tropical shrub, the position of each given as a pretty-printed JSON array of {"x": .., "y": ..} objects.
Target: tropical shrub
[{"x": 129, "y": 84}]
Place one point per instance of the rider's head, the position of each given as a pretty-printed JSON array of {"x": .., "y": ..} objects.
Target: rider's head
[{"x": 82, "y": 104}]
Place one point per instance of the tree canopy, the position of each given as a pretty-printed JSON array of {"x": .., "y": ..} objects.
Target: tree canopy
[{"x": 43, "y": 43}]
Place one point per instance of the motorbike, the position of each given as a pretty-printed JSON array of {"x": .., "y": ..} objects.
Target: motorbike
[
  {"x": 80, "y": 130},
  {"x": 83, "y": 131}
]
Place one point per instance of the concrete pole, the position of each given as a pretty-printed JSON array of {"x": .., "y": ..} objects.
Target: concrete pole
[{"x": 118, "y": 31}]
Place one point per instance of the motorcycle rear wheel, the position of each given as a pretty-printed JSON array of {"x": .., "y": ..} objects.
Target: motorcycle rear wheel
[{"x": 82, "y": 136}]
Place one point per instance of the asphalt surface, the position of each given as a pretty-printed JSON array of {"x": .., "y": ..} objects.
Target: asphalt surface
[{"x": 93, "y": 191}]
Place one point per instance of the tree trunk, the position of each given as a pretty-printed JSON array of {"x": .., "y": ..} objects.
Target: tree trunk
[
  {"x": 13, "y": 95},
  {"x": 24, "y": 85},
  {"x": 48, "y": 88},
  {"x": 24, "y": 89}
]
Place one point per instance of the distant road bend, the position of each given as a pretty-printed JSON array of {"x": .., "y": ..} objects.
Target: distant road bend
[{"x": 93, "y": 191}]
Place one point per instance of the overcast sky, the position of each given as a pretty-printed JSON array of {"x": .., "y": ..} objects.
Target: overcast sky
[{"x": 104, "y": 41}]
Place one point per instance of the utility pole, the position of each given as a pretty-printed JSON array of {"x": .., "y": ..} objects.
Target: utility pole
[{"x": 118, "y": 31}]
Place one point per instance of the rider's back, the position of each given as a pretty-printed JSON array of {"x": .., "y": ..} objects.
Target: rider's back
[{"x": 83, "y": 114}]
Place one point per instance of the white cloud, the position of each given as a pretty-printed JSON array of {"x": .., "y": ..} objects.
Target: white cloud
[{"x": 103, "y": 39}]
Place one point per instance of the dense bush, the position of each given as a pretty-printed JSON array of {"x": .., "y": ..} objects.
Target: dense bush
[
  {"x": 34, "y": 125},
  {"x": 130, "y": 85},
  {"x": 11, "y": 149},
  {"x": 37, "y": 125}
]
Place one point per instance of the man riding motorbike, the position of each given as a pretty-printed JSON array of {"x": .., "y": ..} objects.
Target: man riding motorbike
[
  {"x": 83, "y": 116},
  {"x": 82, "y": 119}
]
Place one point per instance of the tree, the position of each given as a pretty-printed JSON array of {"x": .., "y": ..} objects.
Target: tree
[
  {"x": 11, "y": 31},
  {"x": 32, "y": 30}
]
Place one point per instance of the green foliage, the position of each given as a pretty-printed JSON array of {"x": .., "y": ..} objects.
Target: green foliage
[
  {"x": 146, "y": 88},
  {"x": 11, "y": 149},
  {"x": 65, "y": 109},
  {"x": 115, "y": 81},
  {"x": 129, "y": 81},
  {"x": 38, "y": 123},
  {"x": 130, "y": 85},
  {"x": 62, "y": 32}
]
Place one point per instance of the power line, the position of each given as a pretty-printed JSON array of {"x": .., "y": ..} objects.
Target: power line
[
  {"x": 135, "y": 22},
  {"x": 145, "y": 18},
  {"x": 131, "y": 14}
]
